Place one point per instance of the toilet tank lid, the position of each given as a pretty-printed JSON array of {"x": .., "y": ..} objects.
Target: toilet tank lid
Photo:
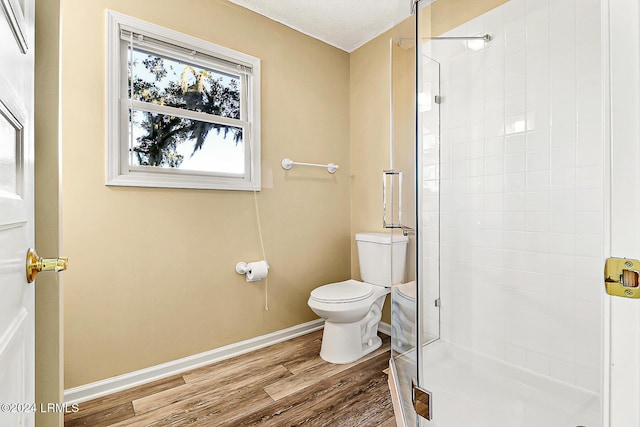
[{"x": 384, "y": 238}]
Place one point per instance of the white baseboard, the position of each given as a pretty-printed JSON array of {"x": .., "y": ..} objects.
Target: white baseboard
[
  {"x": 132, "y": 379},
  {"x": 153, "y": 373}
]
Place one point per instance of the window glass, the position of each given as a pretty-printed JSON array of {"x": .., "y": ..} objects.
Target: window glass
[
  {"x": 164, "y": 81},
  {"x": 174, "y": 142}
]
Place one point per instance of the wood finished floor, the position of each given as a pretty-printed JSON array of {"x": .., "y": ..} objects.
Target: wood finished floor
[{"x": 286, "y": 384}]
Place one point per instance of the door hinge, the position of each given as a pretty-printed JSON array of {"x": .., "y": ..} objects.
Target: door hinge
[
  {"x": 437, "y": 99},
  {"x": 421, "y": 399},
  {"x": 437, "y": 302}
]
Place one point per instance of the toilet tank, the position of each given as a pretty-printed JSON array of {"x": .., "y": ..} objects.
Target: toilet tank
[{"x": 381, "y": 261}]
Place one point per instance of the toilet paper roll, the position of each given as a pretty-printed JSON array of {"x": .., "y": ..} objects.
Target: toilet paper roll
[{"x": 257, "y": 270}]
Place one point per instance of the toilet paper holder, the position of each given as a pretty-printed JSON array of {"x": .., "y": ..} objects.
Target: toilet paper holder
[
  {"x": 245, "y": 268},
  {"x": 242, "y": 268}
]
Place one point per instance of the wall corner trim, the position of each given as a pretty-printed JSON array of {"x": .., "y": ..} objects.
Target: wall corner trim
[{"x": 132, "y": 379}]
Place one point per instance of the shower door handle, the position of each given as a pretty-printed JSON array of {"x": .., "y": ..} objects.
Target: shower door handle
[
  {"x": 391, "y": 213},
  {"x": 388, "y": 209}
]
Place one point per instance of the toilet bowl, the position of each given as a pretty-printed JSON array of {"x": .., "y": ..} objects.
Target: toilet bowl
[{"x": 352, "y": 309}]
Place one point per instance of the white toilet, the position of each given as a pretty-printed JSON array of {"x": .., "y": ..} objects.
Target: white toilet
[{"x": 352, "y": 309}]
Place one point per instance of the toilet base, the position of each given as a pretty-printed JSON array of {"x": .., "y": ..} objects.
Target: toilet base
[{"x": 342, "y": 342}]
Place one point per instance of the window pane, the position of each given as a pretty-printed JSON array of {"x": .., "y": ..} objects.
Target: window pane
[
  {"x": 165, "y": 141},
  {"x": 164, "y": 81}
]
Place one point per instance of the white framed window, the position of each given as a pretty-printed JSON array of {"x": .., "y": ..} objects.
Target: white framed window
[{"x": 181, "y": 112}]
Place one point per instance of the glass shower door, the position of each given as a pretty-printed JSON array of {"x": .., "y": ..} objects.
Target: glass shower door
[
  {"x": 412, "y": 186},
  {"x": 427, "y": 141},
  {"x": 428, "y": 218}
]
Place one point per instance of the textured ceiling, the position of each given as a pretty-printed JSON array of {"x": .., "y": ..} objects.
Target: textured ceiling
[{"x": 345, "y": 24}]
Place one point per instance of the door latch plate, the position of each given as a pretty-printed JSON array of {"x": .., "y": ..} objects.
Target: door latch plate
[{"x": 622, "y": 277}]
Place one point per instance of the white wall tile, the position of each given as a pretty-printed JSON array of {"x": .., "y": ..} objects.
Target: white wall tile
[
  {"x": 514, "y": 9},
  {"x": 589, "y": 200},
  {"x": 515, "y": 182},
  {"x": 522, "y": 192},
  {"x": 589, "y": 222},
  {"x": 563, "y": 179},
  {"x": 515, "y": 143},
  {"x": 562, "y": 201},
  {"x": 538, "y": 180},
  {"x": 515, "y": 85},
  {"x": 537, "y": 201},
  {"x": 588, "y": 154},
  {"x": 515, "y": 105},
  {"x": 515, "y": 163},
  {"x": 494, "y": 183},
  {"x": 539, "y": 160},
  {"x": 494, "y": 165},
  {"x": 590, "y": 177},
  {"x": 537, "y": 221},
  {"x": 514, "y": 201},
  {"x": 562, "y": 222},
  {"x": 562, "y": 243},
  {"x": 514, "y": 221},
  {"x": 589, "y": 268},
  {"x": 563, "y": 157}
]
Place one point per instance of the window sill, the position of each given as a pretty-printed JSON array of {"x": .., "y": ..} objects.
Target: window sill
[{"x": 199, "y": 182}]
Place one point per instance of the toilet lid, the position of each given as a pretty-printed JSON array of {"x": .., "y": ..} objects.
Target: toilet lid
[{"x": 347, "y": 291}]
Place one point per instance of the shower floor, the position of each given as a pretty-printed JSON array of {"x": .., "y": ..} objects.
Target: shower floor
[{"x": 469, "y": 389}]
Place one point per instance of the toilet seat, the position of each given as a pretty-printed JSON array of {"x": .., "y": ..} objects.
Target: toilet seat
[{"x": 342, "y": 292}]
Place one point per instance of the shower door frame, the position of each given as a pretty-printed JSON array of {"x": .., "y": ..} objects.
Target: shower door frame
[
  {"x": 405, "y": 410},
  {"x": 402, "y": 220}
]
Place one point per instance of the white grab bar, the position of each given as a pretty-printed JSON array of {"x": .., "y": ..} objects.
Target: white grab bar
[{"x": 287, "y": 164}]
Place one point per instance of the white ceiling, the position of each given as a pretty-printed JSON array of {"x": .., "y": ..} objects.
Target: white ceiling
[{"x": 345, "y": 24}]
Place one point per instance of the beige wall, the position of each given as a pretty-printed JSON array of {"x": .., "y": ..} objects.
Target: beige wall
[
  {"x": 370, "y": 98},
  {"x": 152, "y": 276},
  {"x": 445, "y": 15}
]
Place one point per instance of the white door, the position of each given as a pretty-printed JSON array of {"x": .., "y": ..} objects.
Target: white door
[{"x": 17, "y": 353}]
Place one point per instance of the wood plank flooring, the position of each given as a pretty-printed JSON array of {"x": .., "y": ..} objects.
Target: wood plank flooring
[{"x": 286, "y": 384}]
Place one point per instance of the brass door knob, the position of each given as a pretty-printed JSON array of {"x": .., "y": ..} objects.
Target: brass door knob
[{"x": 36, "y": 264}]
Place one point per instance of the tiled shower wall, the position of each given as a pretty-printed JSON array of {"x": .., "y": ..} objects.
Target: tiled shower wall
[{"x": 521, "y": 188}]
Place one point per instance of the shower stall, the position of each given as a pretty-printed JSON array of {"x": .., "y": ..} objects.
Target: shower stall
[{"x": 497, "y": 178}]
